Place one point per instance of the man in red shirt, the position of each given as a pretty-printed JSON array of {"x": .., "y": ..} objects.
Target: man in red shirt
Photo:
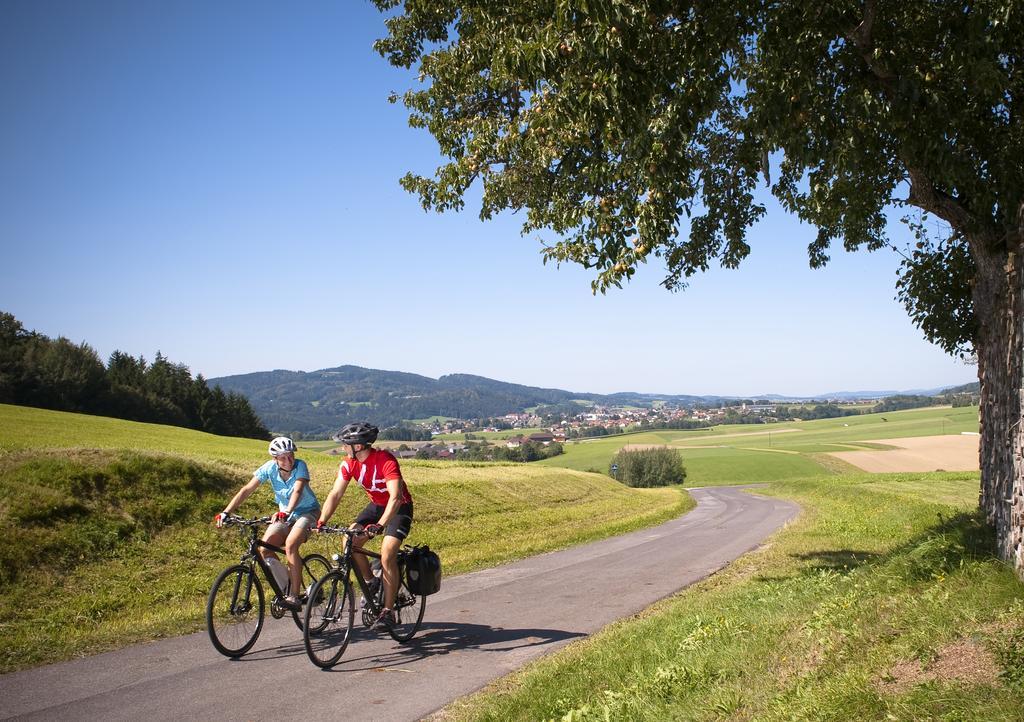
[{"x": 389, "y": 511}]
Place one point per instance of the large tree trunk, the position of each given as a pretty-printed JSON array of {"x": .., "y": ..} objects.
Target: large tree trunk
[{"x": 999, "y": 308}]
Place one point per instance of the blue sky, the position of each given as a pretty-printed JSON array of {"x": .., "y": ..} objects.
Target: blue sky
[{"x": 219, "y": 181}]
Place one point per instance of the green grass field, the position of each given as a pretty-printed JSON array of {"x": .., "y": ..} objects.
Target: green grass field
[
  {"x": 320, "y": 445},
  {"x": 741, "y": 453},
  {"x": 745, "y": 466},
  {"x": 113, "y": 542},
  {"x": 881, "y": 601},
  {"x": 491, "y": 435}
]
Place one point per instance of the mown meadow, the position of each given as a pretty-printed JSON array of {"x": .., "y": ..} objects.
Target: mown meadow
[
  {"x": 882, "y": 601},
  {"x": 111, "y": 538},
  {"x": 750, "y": 453}
]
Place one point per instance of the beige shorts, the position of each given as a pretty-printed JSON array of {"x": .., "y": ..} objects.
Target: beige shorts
[{"x": 304, "y": 522}]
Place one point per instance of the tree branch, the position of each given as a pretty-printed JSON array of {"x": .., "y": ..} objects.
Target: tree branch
[
  {"x": 862, "y": 34},
  {"x": 863, "y": 37},
  {"x": 925, "y": 196}
]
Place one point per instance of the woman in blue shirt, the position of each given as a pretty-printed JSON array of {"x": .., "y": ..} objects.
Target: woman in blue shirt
[{"x": 298, "y": 509}]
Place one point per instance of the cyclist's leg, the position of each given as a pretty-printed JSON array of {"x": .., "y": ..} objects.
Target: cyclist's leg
[
  {"x": 369, "y": 515},
  {"x": 275, "y": 534},
  {"x": 389, "y": 563},
  {"x": 296, "y": 536},
  {"x": 394, "y": 534}
]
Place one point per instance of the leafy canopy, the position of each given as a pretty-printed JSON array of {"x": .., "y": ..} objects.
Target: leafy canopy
[{"x": 611, "y": 121}]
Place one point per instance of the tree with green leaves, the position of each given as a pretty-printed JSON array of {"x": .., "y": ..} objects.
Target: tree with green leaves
[
  {"x": 14, "y": 377},
  {"x": 658, "y": 466},
  {"x": 640, "y": 129},
  {"x": 58, "y": 374}
]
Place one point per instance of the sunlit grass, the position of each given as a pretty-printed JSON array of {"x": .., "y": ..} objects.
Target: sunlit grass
[
  {"x": 717, "y": 466},
  {"x": 880, "y": 574},
  {"x": 113, "y": 546},
  {"x": 864, "y": 608},
  {"x": 802, "y": 437}
]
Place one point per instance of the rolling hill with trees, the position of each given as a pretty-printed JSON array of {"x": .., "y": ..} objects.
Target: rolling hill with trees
[{"x": 316, "y": 403}]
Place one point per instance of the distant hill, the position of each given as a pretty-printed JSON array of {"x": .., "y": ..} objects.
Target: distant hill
[
  {"x": 972, "y": 388},
  {"x": 844, "y": 395},
  {"x": 317, "y": 403}
]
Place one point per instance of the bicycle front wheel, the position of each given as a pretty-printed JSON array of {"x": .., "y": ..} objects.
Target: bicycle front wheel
[
  {"x": 409, "y": 610},
  {"x": 235, "y": 611},
  {"x": 314, "y": 567},
  {"x": 330, "y": 614}
]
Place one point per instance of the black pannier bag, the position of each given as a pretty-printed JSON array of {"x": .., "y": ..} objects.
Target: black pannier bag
[{"x": 423, "y": 571}]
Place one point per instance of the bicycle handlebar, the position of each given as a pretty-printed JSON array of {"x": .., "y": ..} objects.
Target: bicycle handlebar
[
  {"x": 340, "y": 530},
  {"x": 234, "y": 519}
]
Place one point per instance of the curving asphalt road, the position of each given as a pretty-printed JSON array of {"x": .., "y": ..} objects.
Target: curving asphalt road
[{"x": 479, "y": 627}]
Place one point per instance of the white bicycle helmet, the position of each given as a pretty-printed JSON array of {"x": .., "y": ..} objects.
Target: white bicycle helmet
[{"x": 282, "y": 445}]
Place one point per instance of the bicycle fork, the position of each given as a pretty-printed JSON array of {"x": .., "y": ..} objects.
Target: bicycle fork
[{"x": 239, "y": 607}]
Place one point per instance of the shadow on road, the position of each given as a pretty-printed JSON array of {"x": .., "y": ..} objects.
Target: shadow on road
[
  {"x": 433, "y": 639},
  {"x": 440, "y": 638},
  {"x": 296, "y": 649}
]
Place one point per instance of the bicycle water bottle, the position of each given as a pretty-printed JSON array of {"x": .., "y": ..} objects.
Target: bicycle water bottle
[{"x": 280, "y": 572}]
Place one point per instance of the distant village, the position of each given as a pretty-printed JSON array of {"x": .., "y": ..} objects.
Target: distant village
[
  {"x": 530, "y": 436},
  {"x": 609, "y": 420},
  {"x": 544, "y": 432}
]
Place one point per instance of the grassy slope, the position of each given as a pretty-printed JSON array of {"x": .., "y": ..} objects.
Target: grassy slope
[
  {"x": 114, "y": 546},
  {"x": 881, "y": 601},
  {"x": 744, "y": 452}
]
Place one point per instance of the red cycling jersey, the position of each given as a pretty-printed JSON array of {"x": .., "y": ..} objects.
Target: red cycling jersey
[{"x": 372, "y": 474}]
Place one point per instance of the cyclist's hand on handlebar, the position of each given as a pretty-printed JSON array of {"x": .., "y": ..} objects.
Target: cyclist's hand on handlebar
[
  {"x": 279, "y": 516},
  {"x": 219, "y": 519},
  {"x": 373, "y": 530}
]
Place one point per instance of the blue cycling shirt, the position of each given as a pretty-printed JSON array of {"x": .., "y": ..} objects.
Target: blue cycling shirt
[{"x": 283, "y": 488}]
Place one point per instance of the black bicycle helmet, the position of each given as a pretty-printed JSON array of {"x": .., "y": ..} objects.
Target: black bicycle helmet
[{"x": 358, "y": 433}]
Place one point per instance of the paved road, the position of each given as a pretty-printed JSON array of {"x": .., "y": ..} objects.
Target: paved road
[{"x": 479, "y": 627}]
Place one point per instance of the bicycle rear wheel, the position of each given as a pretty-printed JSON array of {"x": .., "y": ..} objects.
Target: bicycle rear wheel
[
  {"x": 409, "y": 610},
  {"x": 235, "y": 611},
  {"x": 314, "y": 567},
  {"x": 329, "y": 616}
]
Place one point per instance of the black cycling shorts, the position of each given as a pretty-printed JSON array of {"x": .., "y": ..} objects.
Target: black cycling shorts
[{"x": 398, "y": 526}]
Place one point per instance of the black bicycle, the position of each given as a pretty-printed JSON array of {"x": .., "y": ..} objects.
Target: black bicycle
[
  {"x": 236, "y": 607},
  {"x": 330, "y": 609}
]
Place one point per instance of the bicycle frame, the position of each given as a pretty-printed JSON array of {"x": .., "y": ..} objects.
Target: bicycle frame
[
  {"x": 236, "y": 606},
  {"x": 252, "y": 555},
  {"x": 330, "y": 613},
  {"x": 346, "y": 561}
]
